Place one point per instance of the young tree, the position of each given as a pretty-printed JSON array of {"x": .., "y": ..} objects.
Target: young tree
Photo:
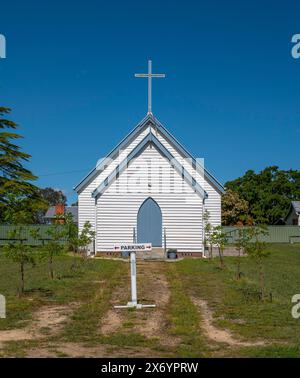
[
  {"x": 85, "y": 237},
  {"x": 241, "y": 243},
  {"x": 72, "y": 236},
  {"x": 208, "y": 230},
  {"x": 257, "y": 250},
  {"x": 55, "y": 246},
  {"x": 19, "y": 252},
  {"x": 219, "y": 238}
]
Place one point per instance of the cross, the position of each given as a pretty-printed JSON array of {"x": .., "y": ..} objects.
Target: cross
[{"x": 150, "y": 75}]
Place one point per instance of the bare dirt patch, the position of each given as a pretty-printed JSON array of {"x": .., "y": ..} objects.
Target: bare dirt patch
[
  {"x": 48, "y": 320},
  {"x": 153, "y": 288},
  {"x": 217, "y": 334},
  {"x": 113, "y": 320},
  {"x": 75, "y": 350}
]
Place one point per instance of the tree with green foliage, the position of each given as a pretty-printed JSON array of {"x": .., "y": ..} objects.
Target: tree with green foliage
[
  {"x": 219, "y": 238},
  {"x": 85, "y": 237},
  {"x": 256, "y": 249},
  {"x": 53, "y": 196},
  {"x": 208, "y": 230},
  {"x": 241, "y": 242},
  {"x": 54, "y": 246},
  {"x": 16, "y": 188},
  {"x": 72, "y": 237},
  {"x": 19, "y": 252},
  {"x": 234, "y": 209},
  {"x": 268, "y": 193}
]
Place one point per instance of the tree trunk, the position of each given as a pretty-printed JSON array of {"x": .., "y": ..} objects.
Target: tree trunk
[
  {"x": 262, "y": 281},
  {"x": 222, "y": 265},
  {"x": 238, "y": 272},
  {"x": 75, "y": 260},
  {"x": 21, "y": 288},
  {"x": 51, "y": 267},
  {"x": 210, "y": 251}
]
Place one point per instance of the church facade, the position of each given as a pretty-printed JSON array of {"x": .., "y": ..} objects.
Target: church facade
[{"x": 149, "y": 189}]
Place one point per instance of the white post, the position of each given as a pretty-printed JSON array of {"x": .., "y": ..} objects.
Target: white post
[
  {"x": 133, "y": 279},
  {"x": 2, "y": 307},
  {"x": 149, "y": 87},
  {"x": 133, "y": 303}
]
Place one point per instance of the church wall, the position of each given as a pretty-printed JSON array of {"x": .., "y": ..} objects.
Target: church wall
[
  {"x": 181, "y": 209},
  {"x": 213, "y": 202},
  {"x": 86, "y": 203}
]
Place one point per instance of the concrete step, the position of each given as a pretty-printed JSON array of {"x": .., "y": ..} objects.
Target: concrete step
[{"x": 155, "y": 254}]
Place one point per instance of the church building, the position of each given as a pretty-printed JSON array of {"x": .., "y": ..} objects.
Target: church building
[{"x": 149, "y": 189}]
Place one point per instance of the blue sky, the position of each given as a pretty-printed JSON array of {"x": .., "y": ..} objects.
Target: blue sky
[{"x": 231, "y": 95}]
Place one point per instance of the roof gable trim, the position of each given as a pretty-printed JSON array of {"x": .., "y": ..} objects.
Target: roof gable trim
[{"x": 149, "y": 139}]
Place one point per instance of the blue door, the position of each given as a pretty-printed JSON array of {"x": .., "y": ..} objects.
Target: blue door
[{"x": 149, "y": 223}]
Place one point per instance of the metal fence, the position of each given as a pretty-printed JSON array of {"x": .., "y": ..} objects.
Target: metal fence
[
  {"x": 5, "y": 231},
  {"x": 276, "y": 234}
]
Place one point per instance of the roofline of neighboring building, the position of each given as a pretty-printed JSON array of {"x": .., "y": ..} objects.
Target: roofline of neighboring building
[
  {"x": 291, "y": 207},
  {"x": 127, "y": 140}
]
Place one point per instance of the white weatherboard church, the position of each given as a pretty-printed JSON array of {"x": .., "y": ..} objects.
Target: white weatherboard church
[{"x": 149, "y": 189}]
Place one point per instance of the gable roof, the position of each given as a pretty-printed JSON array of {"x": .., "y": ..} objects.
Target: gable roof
[
  {"x": 50, "y": 214},
  {"x": 147, "y": 121},
  {"x": 296, "y": 206},
  {"x": 149, "y": 139}
]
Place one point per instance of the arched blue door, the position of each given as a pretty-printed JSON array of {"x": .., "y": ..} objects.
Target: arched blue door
[{"x": 149, "y": 223}]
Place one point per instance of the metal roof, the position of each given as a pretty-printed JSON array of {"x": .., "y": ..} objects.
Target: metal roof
[{"x": 50, "y": 214}]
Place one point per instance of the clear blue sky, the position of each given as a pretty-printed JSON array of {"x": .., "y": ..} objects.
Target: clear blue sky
[{"x": 232, "y": 92}]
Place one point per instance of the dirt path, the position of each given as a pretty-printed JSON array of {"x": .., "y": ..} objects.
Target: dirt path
[
  {"x": 77, "y": 350},
  {"x": 149, "y": 322},
  {"x": 47, "y": 321},
  {"x": 217, "y": 334}
]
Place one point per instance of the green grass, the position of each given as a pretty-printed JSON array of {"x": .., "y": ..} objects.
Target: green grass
[
  {"x": 184, "y": 319},
  {"x": 234, "y": 306},
  {"x": 69, "y": 286}
]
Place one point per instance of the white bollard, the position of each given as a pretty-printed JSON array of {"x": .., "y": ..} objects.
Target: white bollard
[
  {"x": 133, "y": 302},
  {"x": 2, "y": 307},
  {"x": 133, "y": 279}
]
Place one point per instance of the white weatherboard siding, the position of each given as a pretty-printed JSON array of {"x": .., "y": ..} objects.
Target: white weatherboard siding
[
  {"x": 213, "y": 202},
  {"x": 114, "y": 213},
  {"x": 86, "y": 203},
  {"x": 181, "y": 211}
]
